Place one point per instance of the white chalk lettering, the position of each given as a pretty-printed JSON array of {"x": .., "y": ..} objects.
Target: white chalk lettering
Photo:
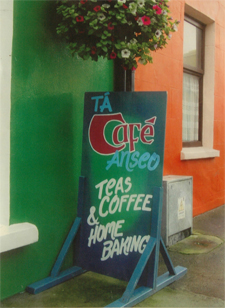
[
  {"x": 106, "y": 198},
  {"x": 147, "y": 201},
  {"x": 139, "y": 199},
  {"x": 142, "y": 246},
  {"x": 123, "y": 199},
  {"x": 125, "y": 202},
  {"x": 111, "y": 183},
  {"x": 100, "y": 186},
  {"x": 107, "y": 185},
  {"x": 100, "y": 232},
  {"x": 135, "y": 243},
  {"x": 122, "y": 246},
  {"x": 106, "y": 253},
  {"x": 114, "y": 198}
]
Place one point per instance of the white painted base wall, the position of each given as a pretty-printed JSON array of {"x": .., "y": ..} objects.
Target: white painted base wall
[{"x": 17, "y": 235}]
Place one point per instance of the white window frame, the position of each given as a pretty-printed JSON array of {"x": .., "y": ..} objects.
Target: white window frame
[
  {"x": 206, "y": 150},
  {"x": 16, "y": 235}
]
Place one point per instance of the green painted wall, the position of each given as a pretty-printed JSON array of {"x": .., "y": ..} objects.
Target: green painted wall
[{"x": 48, "y": 88}]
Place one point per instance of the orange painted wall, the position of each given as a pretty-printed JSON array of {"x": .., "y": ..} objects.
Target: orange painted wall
[{"x": 165, "y": 74}]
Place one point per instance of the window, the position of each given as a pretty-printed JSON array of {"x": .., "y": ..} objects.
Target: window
[
  {"x": 193, "y": 59},
  {"x": 203, "y": 147}
]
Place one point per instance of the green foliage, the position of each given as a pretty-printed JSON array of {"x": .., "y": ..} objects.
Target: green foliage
[{"x": 124, "y": 29}]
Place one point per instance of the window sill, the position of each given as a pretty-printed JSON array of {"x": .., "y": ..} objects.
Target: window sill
[
  {"x": 17, "y": 235},
  {"x": 198, "y": 153}
]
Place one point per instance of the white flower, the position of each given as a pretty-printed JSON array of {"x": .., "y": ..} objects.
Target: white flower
[
  {"x": 125, "y": 53},
  {"x": 142, "y": 61},
  {"x": 141, "y": 3},
  {"x": 133, "y": 41},
  {"x": 169, "y": 36},
  {"x": 106, "y": 5},
  {"x": 158, "y": 33},
  {"x": 133, "y": 8},
  {"x": 175, "y": 27},
  {"x": 153, "y": 20},
  {"x": 164, "y": 12},
  {"x": 140, "y": 22},
  {"x": 144, "y": 28},
  {"x": 121, "y": 1},
  {"x": 101, "y": 16}
]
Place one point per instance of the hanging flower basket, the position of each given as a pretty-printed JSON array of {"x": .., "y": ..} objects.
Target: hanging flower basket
[{"x": 115, "y": 29}]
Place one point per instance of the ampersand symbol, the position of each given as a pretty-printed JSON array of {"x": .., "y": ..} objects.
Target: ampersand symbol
[{"x": 91, "y": 220}]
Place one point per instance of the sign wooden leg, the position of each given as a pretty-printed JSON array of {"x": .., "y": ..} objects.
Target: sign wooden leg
[
  {"x": 56, "y": 277},
  {"x": 150, "y": 255}
]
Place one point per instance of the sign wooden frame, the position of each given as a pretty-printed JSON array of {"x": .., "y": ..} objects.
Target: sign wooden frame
[
  {"x": 102, "y": 109},
  {"x": 150, "y": 258}
]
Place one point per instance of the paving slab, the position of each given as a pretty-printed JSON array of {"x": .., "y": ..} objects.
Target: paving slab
[
  {"x": 173, "y": 298},
  {"x": 197, "y": 244},
  {"x": 211, "y": 222}
]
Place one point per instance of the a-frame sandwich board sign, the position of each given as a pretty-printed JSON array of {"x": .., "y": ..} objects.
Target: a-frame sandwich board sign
[{"x": 120, "y": 193}]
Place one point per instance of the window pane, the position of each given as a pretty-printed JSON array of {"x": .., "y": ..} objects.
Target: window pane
[
  {"x": 192, "y": 45},
  {"x": 190, "y": 124}
]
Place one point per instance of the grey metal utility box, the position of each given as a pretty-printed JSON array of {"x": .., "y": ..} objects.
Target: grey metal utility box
[{"x": 177, "y": 218}]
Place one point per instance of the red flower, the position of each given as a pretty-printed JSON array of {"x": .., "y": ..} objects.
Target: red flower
[
  {"x": 124, "y": 6},
  {"x": 158, "y": 9},
  {"x": 112, "y": 55},
  {"x": 110, "y": 26},
  {"x": 80, "y": 18},
  {"x": 97, "y": 8},
  {"x": 146, "y": 20},
  {"x": 83, "y": 1},
  {"x": 93, "y": 50}
]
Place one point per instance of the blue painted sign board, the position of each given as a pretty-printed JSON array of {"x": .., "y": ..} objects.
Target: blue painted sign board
[{"x": 123, "y": 149}]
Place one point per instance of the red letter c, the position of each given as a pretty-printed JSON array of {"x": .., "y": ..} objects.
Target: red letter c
[{"x": 97, "y": 133}]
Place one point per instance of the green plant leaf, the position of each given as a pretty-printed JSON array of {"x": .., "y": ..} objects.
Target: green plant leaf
[{"x": 105, "y": 49}]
